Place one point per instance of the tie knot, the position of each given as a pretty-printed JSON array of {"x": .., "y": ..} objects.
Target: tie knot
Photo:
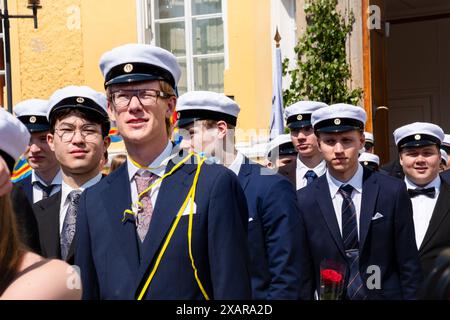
[
  {"x": 310, "y": 174},
  {"x": 74, "y": 196},
  {"x": 144, "y": 175},
  {"x": 346, "y": 190},
  {"x": 43, "y": 187}
]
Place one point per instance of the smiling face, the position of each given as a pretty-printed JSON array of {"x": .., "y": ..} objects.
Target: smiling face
[
  {"x": 38, "y": 154},
  {"x": 340, "y": 151},
  {"x": 78, "y": 155},
  {"x": 421, "y": 165},
  {"x": 141, "y": 125},
  {"x": 305, "y": 141}
]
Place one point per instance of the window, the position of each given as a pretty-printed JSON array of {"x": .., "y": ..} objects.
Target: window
[{"x": 193, "y": 30}]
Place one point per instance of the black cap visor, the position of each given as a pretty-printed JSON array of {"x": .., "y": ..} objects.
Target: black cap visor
[{"x": 337, "y": 125}]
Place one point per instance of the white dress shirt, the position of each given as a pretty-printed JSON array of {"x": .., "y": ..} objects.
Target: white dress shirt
[
  {"x": 157, "y": 167},
  {"x": 423, "y": 208},
  {"x": 301, "y": 170},
  {"x": 337, "y": 199},
  {"x": 65, "y": 190},
  {"x": 38, "y": 193},
  {"x": 235, "y": 166}
]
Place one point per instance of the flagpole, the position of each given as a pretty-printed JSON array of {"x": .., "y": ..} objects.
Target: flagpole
[{"x": 276, "y": 119}]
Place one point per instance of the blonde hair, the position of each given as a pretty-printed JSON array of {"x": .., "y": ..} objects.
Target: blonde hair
[{"x": 11, "y": 247}]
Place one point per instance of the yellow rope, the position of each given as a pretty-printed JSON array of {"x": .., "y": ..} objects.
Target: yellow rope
[{"x": 190, "y": 197}]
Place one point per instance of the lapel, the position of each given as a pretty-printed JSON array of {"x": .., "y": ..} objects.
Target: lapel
[
  {"x": 244, "y": 173},
  {"x": 117, "y": 198},
  {"x": 48, "y": 218},
  {"x": 441, "y": 210},
  {"x": 171, "y": 195},
  {"x": 323, "y": 197},
  {"x": 28, "y": 188},
  {"x": 368, "y": 201}
]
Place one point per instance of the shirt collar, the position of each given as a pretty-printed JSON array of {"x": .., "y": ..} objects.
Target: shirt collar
[
  {"x": 436, "y": 183},
  {"x": 157, "y": 167},
  {"x": 320, "y": 169},
  {"x": 355, "y": 181},
  {"x": 235, "y": 166},
  {"x": 57, "y": 180},
  {"x": 66, "y": 189}
]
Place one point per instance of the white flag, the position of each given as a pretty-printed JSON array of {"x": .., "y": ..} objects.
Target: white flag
[{"x": 276, "y": 118}]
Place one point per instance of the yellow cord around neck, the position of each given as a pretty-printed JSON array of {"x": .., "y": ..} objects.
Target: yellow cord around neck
[{"x": 190, "y": 198}]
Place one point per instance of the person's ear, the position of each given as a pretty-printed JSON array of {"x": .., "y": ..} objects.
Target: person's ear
[
  {"x": 222, "y": 129},
  {"x": 171, "y": 104},
  {"x": 50, "y": 141}
]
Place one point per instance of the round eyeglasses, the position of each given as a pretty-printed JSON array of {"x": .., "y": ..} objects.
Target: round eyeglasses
[{"x": 67, "y": 134}]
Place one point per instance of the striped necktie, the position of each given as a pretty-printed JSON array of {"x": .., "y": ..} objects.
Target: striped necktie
[{"x": 355, "y": 286}]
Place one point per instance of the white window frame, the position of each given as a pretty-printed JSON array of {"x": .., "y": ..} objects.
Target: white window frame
[{"x": 146, "y": 25}]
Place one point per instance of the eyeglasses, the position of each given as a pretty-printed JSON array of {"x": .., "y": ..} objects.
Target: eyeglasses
[
  {"x": 67, "y": 134},
  {"x": 147, "y": 97}
]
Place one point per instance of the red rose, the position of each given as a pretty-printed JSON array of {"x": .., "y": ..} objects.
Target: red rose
[{"x": 330, "y": 275}]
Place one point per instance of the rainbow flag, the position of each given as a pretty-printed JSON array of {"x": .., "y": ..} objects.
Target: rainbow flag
[
  {"x": 114, "y": 134},
  {"x": 21, "y": 170}
]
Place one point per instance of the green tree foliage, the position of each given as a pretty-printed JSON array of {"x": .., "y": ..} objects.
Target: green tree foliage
[{"x": 322, "y": 72}]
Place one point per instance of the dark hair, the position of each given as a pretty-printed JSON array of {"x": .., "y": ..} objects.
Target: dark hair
[{"x": 87, "y": 115}]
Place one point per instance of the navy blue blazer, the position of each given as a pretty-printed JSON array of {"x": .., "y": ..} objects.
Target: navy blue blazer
[
  {"x": 27, "y": 187},
  {"x": 387, "y": 242},
  {"x": 108, "y": 252},
  {"x": 273, "y": 232}
]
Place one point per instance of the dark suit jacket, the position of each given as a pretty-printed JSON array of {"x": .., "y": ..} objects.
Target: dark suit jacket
[
  {"x": 115, "y": 266},
  {"x": 273, "y": 232},
  {"x": 437, "y": 237},
  {"x": 26, "y": 220},
  {"x": 47, "y": 215},
  {"x": 27, "y": 187},
  {"x": 445, "y": 175},
  {"x": 387, "y": 242}
]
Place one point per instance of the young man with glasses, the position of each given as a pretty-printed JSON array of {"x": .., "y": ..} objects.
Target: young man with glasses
[
  {"x": 142, "y": 233},
  {"x": 79, "y": 127}
]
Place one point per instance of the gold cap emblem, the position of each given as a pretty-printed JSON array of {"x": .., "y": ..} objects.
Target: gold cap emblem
[
  {"x": 80, "y": 100},
  {"x": 32, "y": 119},
  {"x": 299, "y": 117},
  {"x": 128, "y": 68},
  {"x": 417, "y": 137},
  {"x": 366, "y": 163},
  {"x": 337, "y": 121}
]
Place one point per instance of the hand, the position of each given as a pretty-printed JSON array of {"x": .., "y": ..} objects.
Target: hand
[{"x": 5, "y": 182}]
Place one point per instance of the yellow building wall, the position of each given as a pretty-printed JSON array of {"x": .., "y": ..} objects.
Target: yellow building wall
[
  {"x": 249, "y": 76},
  {"x": 73, "y": 34}
]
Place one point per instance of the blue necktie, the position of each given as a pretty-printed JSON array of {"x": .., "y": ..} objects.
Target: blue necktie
[
  {"x": 46, "y": 190},
  {"x": 68, "y": 229},
  {"x": 355, "y": 287},
  {"x": 310, "y": 176}
]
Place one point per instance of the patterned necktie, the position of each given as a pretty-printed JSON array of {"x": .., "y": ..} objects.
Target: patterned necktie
[
  {"x": 355, "y": 290},
  {"x": 68, "y": 229},
  {"x": 310, "y": 176},
  {"x": 429, "y": 192},
  {"x": 143, "y": 180},
  {"x": 46, "y": 190}
]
